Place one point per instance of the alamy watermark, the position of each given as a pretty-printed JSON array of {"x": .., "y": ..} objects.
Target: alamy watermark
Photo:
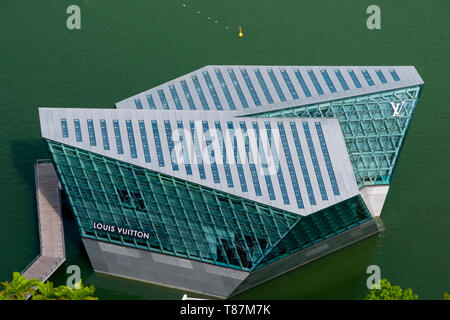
[
  {"x": 374, "y": 20},
  {"x": 227, "y": 147},
  {"x": 73, "y": 21},
  {"x": 74, "y": 278},
  {"x": 373, "y": 281}
]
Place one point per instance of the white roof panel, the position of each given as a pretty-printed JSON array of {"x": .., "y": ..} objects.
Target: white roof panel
[
  {"x": 328, "y": 177},
  {"x": 407, "y": 76}
]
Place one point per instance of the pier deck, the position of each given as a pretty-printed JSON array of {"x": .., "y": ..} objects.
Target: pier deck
[{"x": 51, "y": 231}]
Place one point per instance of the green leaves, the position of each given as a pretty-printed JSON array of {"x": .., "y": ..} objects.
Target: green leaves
[
  {"x": 79, "y": 292},
  {"x": 46, "y": 291},
  {"x": 389, "y": 292},
  {"x": 20, "y": 287}
]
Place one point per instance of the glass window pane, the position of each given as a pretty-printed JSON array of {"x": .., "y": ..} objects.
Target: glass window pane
[
  {"x": 328, "y": 81},
  {"x": 171, "y": 144},
  {"x": 326, "y": 155},
  {"x": 212, "y": 156},
  {"x": 144, "y": 141},
  {"x": 104, "y": 134},
  {"x": 212, "y": 90},
  {"x": 354, "y": 78},
  {"x": 200, "y": 93},
  {"x": 394, "y": 75},
  {"x": 251, "y": 163},
  {"x": 250, "y": 87},
  {"x": 224, "y": 155},
  {"x": 288, "y": 82},
  {"x": 237, "y": 87},
  {"x": 78, "y": 134},
  {"x": 237, "y": 159},
  {"x": 225, "y": 90},
  {"x": 367, "y": 77},
  {"x": 163, "y": 99},
  {"x": 198, "y": 153},
  {"x": 264, "y": 163},
  {"x": 381, "y": 76},
  {"x": 280, "y": 176},
  {"x": 302, "y": 83},
  {"x": 341, "y": 79},
  {"x": 118, "y": 136},
  {"x": 131, "y": 140},
  {"x": 290, "y": 165},
  {"x": 302, "y": 161},
  {"x": 263, "y": 86},
  {"x": 150, "y": 101},
  {"x": 65, "y": 131},
  {"x": 276, "y": 84},
  {"x": 182, "y": 136},
  {"x": 315, "y": 162},
  {"x": 175, "y": 97},
  {"x": 138, "y": 103},
  {"x": 91, "y": 131},
  {"x": 157, "y": 143},
  {"x": 187, "y": 94},
  {"x": 315, "y": 82}
]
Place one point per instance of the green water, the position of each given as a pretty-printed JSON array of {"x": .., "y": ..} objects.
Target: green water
[{"x": 125, "y": 47}]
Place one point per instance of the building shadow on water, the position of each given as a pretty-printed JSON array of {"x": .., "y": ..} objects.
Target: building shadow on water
[
  {"x": 19, "y": 193},
  {"x": 25, "y": 152},
  {"x": 340, "y": 275}
]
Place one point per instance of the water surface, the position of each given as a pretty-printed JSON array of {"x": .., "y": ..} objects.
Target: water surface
[{"x": 126, "y": 47}]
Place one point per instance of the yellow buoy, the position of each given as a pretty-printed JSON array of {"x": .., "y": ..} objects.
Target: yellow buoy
[{"x": 240, "y": 33}]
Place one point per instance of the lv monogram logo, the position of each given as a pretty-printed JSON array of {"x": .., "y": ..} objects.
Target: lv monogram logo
[{"x": 397, "y": 107}]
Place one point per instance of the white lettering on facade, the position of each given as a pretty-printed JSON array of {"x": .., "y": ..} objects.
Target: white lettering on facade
[{"x": 122, "y": 231}]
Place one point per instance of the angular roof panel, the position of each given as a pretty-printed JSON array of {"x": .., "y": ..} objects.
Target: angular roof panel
[
  {"x": 254, "y": 89},
  {"x": 299, "y": 165}
]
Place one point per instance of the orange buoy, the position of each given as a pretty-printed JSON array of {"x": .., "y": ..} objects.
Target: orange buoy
[{"x": 240, "y": 33}]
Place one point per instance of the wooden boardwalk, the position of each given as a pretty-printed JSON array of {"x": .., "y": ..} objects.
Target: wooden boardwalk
[{"x": 51, "y": 231}]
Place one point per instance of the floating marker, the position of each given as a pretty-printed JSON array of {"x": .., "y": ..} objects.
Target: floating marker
[{"x": 240, "y": 33}]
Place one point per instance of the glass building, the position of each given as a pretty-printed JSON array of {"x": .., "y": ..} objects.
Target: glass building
[{"x": 226, "y": 177}]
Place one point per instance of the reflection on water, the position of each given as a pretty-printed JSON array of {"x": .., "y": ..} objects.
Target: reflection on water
[{"x": 340, "y": 275}]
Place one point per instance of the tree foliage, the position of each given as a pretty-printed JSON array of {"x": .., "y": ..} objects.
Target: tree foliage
[
  {"x": 389, "y": 292},
  {"x": 20, "y": 288}
]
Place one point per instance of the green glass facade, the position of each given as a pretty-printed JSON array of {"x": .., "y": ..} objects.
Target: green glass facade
[
  {"x": 373, "y": 130},
  {"x": 317, "y": 227},
  {"x": 187, "y": 220}
]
